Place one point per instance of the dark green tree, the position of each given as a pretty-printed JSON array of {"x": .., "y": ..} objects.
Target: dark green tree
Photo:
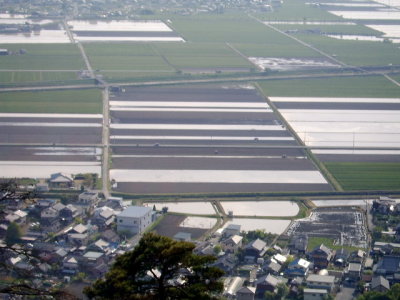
[
  {"x": 13, "y": 234},
  {"x": 159, "y": 268},
  {"x": 392, "y": 294}
]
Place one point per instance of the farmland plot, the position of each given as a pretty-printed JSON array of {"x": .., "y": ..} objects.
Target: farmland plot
[{"x": 202, "y": 141}]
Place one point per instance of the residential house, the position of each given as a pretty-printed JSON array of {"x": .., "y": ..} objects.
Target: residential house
[
  {"x": 95, "y": 263},
  {"x": 380, "y": 284},
  {"x": 357, "y": 256},
  {"x": 42, "y": 204},
  {"x": 45, "y": 251},
  {"x": 325, "y": 282},
  {"x": 231, "y": 229},
  {"x": 389, "y": 267},
  {"x": 279, "y": 258},
  {"x": 42, "y": 187},
  {"x": 341, "y": 257},
  {"x": 246, "y": 293},
  {"x": 49, "y": 220},
  {"x": 60, "y": 254},
  {"x": 78, "y": 239},
  {"x": 226, "y": 263},
  {"x": 233, "y": 285},
  {"x": 232, "y": 244},
  {"x": 267, "y": 283},
  {"x": 14, "y": 203},
  {"x": 3, "y": 230},
  {"x": 273, "y": 267},
  {"x": 384, "y": 205},
  {"x": 110, "y": 236},
  {"x": 70, "y": 265},
  {"x": 298, "y": 244},
  {"x": 298, "y": 267},
  {"x": 321, "y": 256},
  {"x": 354, "y": 271},
  {"x": 18, "y": 217},
  {"x": 134, "y": 219},
  {"x": 60, "y": 180},
  {"x": 255, "y": 249},
  {"x": 103, "y": 217},
  {"x": 79, "y": 228},
  {"x": 315, "y": 294},
  {"x": 100, "y": 246},
  {"x": 385, "y": 247},
  {"x": 115, "y": 203},
  {"x": 88, "y": 201},
  {"x": 69, "y": 213}
]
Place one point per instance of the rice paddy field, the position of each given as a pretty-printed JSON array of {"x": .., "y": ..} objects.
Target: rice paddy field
[
  {"x": 67, "y": 101},
  {"x": 366, "y": 176},
  {"x": 356, "y": 138},
  {"x": 207, "y": 138},
  {"x": 198, "y": 139},
  {"x": 46, "y": 132}
]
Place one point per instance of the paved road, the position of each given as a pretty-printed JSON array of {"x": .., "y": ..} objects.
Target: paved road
[{"x": 106, "y": 143}]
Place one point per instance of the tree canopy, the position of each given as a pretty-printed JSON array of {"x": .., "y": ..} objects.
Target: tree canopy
[
  {"x": 13, "y": 234},
  {"x": 159, "y": 268},
  {"x": 392, "y": 294}
]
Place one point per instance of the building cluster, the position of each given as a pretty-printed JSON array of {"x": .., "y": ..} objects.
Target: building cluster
[
  {"x": 73, "y": 239},
  {"x": 131, "y": 9},
  {"x": 255, "y": 268},
  {"x": 78, "y": 237}
]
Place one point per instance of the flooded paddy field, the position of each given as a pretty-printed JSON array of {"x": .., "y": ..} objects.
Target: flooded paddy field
[
  {"x": 135, "y": 31},
  {"x": 361, "y": 122},
  {"x": 261, "y": 208},
  {"x": 208, "y": 163},
  {"x": 206, "y": 144},
  {"x": 194, "y": 208},
  {"x": 41, "y": 31},
  {"x": 292, "y": 64},
  {"x": 50, "y": 128},
  {"x": 272, "y": 226},
  {"x": 32, "y": 153},
  {"x": 342, "y": 202},
  {"x": 41, "y": 162},
  {"x": 196, "y": 187}
]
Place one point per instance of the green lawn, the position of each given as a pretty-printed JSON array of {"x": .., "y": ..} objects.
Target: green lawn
[
  {"x": 361, "y": 86},
  {"x": 366, "y": 176},
  {"x": 42, "y": 57},
  {"x": 316, "y": 241},
  {"x": 68, "y": 101}
]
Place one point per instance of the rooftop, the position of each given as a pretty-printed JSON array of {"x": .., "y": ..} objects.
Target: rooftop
[
  {"x": 321, "y": 278},
  {"x": 135, "y": 211}
]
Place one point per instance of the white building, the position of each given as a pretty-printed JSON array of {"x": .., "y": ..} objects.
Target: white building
[{"x": 135, "y": 219}]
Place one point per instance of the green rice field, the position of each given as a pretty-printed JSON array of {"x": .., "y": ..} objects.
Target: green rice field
[
  {"x": 357, "y": 86},
  {"x": 366, "y": 176},
  {"x": 67, "y": 101},
  {"x": 42, "y": 57}
]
